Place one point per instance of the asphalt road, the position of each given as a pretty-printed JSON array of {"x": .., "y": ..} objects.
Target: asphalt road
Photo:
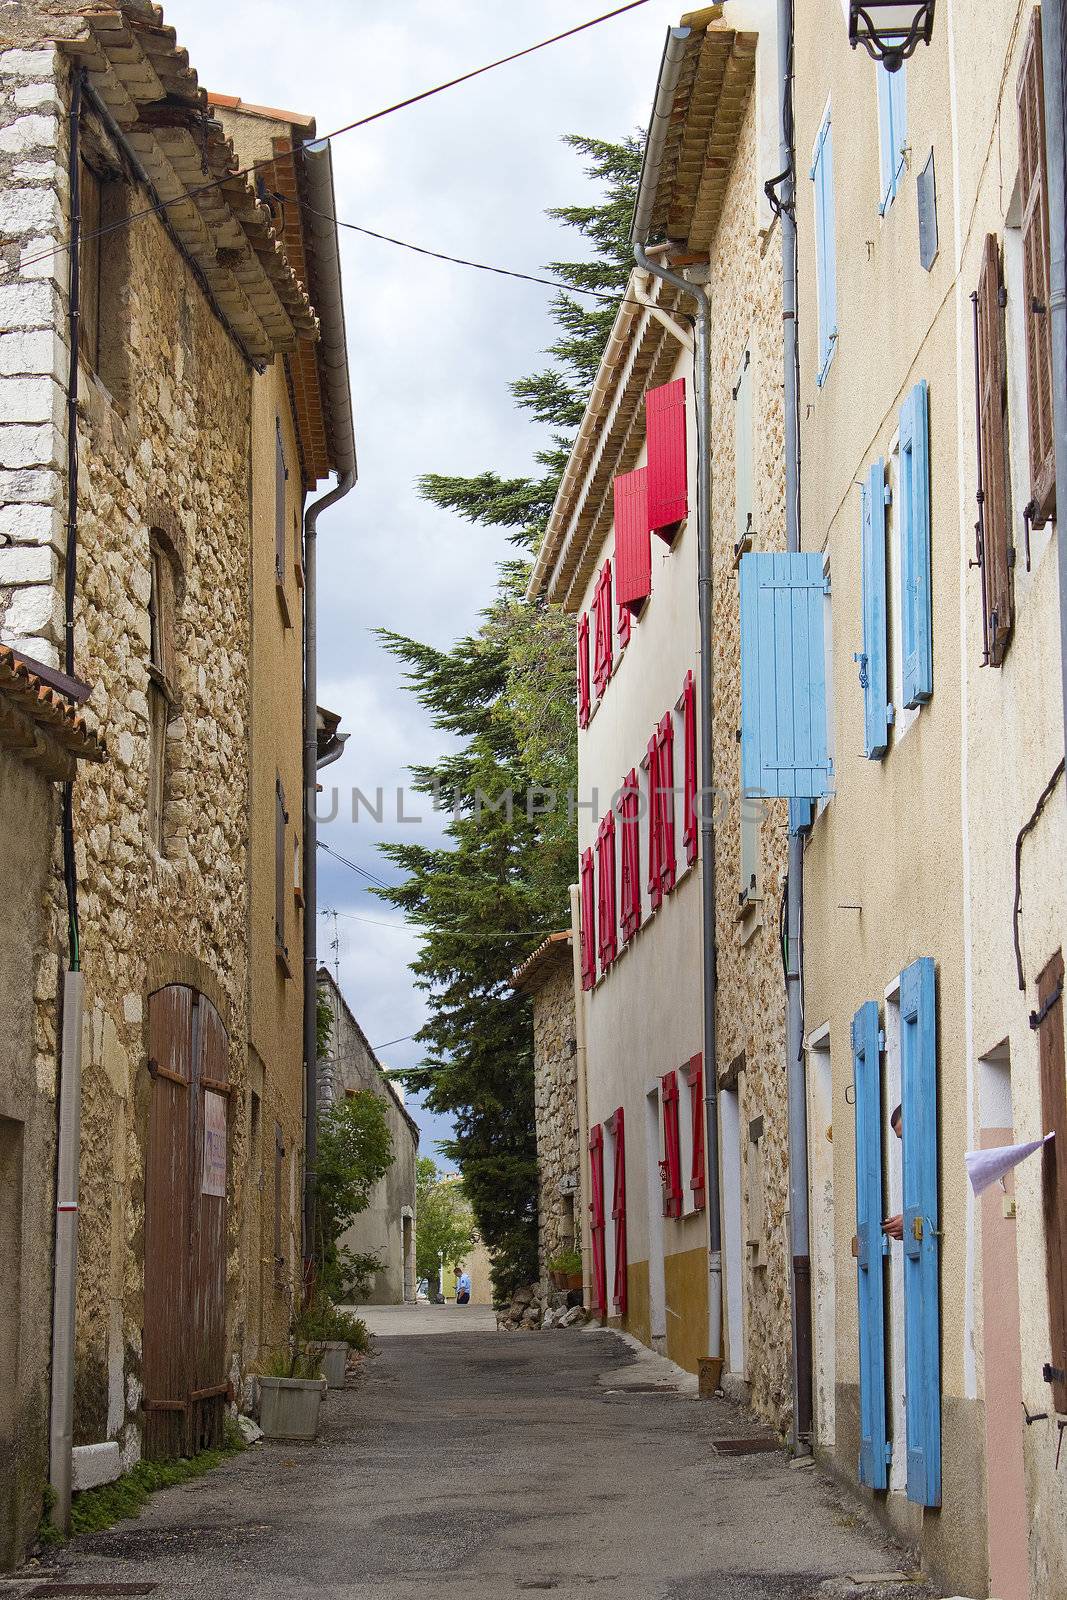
[{"x": 484, "y": 1465}]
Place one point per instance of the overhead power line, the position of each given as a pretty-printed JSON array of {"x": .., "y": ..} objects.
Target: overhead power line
[{"x": 353, "y": 865}]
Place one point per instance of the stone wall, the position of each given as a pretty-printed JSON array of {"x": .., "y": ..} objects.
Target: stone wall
[{"x": 556, "y": 1110}]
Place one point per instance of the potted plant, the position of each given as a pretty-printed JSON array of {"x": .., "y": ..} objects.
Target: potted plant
[
  {"x": 565, "y": 1270},
  {"x": 290, "y": 1393},
  {"x": 321, "y": 1326}
]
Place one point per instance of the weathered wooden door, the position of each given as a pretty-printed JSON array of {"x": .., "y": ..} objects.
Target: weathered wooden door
[{"x": 186, "y": 1184}]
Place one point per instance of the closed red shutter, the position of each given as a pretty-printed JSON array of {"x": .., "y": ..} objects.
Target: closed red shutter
[
  {"x": 668, "y": 500},
  {"x": 583, "y": 670},
  {"x": 691, "y": 827},
  {"x": 671, "y": 1165},
  {"x": 587, "y": 920},
  {"x": 630, "y": 856},
  {"x": 596, "y": 1218},
  {"x": 655, "y": 887},
  {"x": 623, "y": 626},
  {"x": 618, "y": 1211},
  {"x": 607, "y": 939},
  {"x": 697, "y": 1181},
  {"x": 997, "y": 553},
  {"x": 1037, "y": 313},
  {"x": 633, "y": 543},
  {"x": 665, "y": 737}
]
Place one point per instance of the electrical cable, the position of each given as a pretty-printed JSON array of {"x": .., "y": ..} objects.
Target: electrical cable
[
  {"x": 403, "y": 1039},
  {"x": 354, "y": 866}
]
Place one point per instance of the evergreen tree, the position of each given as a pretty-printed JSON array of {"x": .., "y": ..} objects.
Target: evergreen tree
[{"x": 487, "y": 898}]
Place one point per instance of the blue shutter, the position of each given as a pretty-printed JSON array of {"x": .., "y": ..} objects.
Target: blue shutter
[
  {"x": 822, "y": 176},
  {"x": 801, "y": 816},
  {"x": 898, "y": 104},
  {"x": 914, "y": 513},
  {"x": 922, "y": 1313},
  {"x": 874, "y": 669},
  {"x": 871, "y": 1253},
  {"x": 783, "y": 676},
  {"x": 892, "y": 133}
]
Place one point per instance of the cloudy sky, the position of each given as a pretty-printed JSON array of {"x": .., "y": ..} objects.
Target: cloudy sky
[{"x": 432, "y": 348}]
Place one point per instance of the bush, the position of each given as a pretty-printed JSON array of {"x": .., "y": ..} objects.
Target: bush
[
  {"x": 568, "y": 1261},
  {"x": 322, "y": 1323}
]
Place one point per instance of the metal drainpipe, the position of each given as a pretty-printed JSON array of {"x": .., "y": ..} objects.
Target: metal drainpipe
[
  {"x": 705, "y": 568},
  {"x": 796, "y": 1065},
  {"x": 1054, "y": 53},
  {"x": 311, "y": 517}
]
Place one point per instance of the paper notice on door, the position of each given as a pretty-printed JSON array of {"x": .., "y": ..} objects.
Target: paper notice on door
[
  {"x": 986, "y": 1166},
  {"x": 213, "y": 1180}
]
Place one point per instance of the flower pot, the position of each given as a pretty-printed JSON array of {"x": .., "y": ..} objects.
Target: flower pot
[
  {"x": 289, "y": 1407},
  {"x": 559, "y": 1280},
  {"x": 334, "y": 1362},
  {"x": 573, "y": 1280}
]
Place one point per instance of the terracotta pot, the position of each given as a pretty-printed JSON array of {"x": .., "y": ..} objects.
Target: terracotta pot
[
  {"x": 559, "y": 1280},
  {"x": 573, "y": 1281}
]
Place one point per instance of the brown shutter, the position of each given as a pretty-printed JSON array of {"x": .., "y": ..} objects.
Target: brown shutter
[
  {"x": 280, "y": 476},
  {"x": 1054, "y": 1120},
  {"x": 992, "y": 409},
  {"x": 280, "y": 820},
  {"x": 1033, "y": 182}
]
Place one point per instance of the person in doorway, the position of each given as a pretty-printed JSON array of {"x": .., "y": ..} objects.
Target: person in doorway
[
  {"x": 893, "y": 1227},
  {"x": 463, "y": 1289}
]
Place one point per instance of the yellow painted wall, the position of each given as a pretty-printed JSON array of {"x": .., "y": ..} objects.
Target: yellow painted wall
[{"x": 686, "y": 1277}]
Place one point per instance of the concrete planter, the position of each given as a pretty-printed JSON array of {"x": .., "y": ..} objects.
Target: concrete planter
[
  {"x": 289, "y": 1407},
  {"x": 334, "y": 1362}
]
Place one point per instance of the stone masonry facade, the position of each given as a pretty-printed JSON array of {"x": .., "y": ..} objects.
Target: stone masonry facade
[{"x": 556, "y": 1110}]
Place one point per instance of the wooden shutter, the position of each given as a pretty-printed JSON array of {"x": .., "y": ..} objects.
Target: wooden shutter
[
  {"x": 922, "y": 1308},
  {"x": 630, "y": 856},
  {"x": 667, "y": 860},
  {"x": 915, "y": 579},
  {"x": 690, "y": 817},
  {"x": 822, "y": 176},
  {"x": 596, "y": 1217},
  {"x": 1033, "y": 183},
  {"x": 623, "y": 625},
  {"x": 697, "y": 1178},
  {"x": 668, "y": 497},
  {"x": 607, "y": 938},
  {"x": 89, "y": 191},
  {"x": 744, "y": 467},
  {"x": 616, "y": 1126},
  {"x": 655, "y": 885},
  {"x": 1054, "y": 1176},
  {"x": 871, "y": 1245},
  {"x": 280, "y": 475},
  {"x": 281, "y": 818},
  {"x": 633, "y": 542},
  {"x": 587, "y": 920},
  {"x": 874, "y": 667},
  {"x": 783, "y": 676},
  {"x": 997, "y": 553},
  {"x": 583, "y": 670},
  {"x": 671, "y": 1165},
  {"x": 602, "y": 630}
]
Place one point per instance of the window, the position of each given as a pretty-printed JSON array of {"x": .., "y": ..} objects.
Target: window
[
  {"x": 671, "y": 1165},
  {"x": 694, "y": 1075},
  {"x": 661, "y": 810},
  {"x": 102, "y": 267},
  {"x": 1033, "y": 177},
  {"x": 996, "y": 554},
  {"x": 630, "y": 856},
  {"x": 665, "y": 431},
  {"x": 281, "y": 478},
  {"x": 603, "y": 638},
  {"x": 744, "y": 476},
  {"x": 583, "y": 670},
  {"x": 916, "y": 601},
  {"x": 873, "y": 662},
  {"x": 822, "y": 176},
  {"x": 90, "y": 187},
  {"x": 281, "y": 888},
  {"x": 892, "y": 133},
  {"x": 690, "y": 810},
  {"x": 607, "y": 937},
  {"x": 587, "y": 920},
  {"x": 161, "y": 606}
]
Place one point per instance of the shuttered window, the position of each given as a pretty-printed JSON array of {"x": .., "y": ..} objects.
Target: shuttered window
[
  {"x": 623, "y": 625},
  {"x": 916, "y": 600},
  {"x": 630, "y": 856},
  {"x": 690, "y": 817},
  {"x": 783, "y": 676},
  {"x": 921, "y": 1244},
  {"x": 281, "y": 882},
  {"x": 633, "y": 542},
  {"x": 602, "y": 630},
  {"x": 996, "y": 554},
  {"x": 583, "y": 670},
  {"x": 1054, "y": 1176},
  {"x": 874, "y": 663},
  {"x": 655, "y": 887},
  {"x": 671, "y": 1165},
  {"x": 607, "y": 937},
  {"x": 892, "y": 132},
  {"x": 665, "y": 803},
  {"x": 744, "y": 475},
  {"x": 281, "y": 473},
  {"x": 587, "y": 919},
  {"x": 822, "y": 177},
  {"x": 871, "y": 1245},
  {"x": 1033, "y": 184},
  {"x": 596, "y": 1218},
  {"x": 617, "y": 1128},
  {"x": 697, "y": 1177},
  {"x": 668, "y": 497}
]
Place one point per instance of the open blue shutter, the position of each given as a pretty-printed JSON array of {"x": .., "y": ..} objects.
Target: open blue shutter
[
  {"x": 801, "y": 816},
  {"x": 914, "y": 513},
  {"x": 874, "y": 669},
  {"x": 870, "y": 1258},
  {"x": 898, "y": 105},
  {"x": 922, "y": 1312},
  {"x": 892, "y": 133},
  {"x": 822, "y": 175},
  {"x": 783, "y": 678}
]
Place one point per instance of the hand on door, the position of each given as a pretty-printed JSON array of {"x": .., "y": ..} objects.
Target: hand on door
[{"x": 893, "y": 1227}]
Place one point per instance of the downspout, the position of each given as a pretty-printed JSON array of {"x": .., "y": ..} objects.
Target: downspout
[
  {"x": 1054, "y": 54},
  {"x": 68, "y": 1136},
  {"x": 796, "y": 1064}
]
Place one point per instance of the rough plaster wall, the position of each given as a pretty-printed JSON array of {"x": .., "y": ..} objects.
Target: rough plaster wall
[{"x": 556, "y": 1110}]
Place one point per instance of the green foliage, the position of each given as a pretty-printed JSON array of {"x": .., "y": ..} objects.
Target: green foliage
[
  {"x": 320, "y": 1322},
  {"x": 300, "y": 1358},
  {"x": 93, "y": 1510},
  {"x": 568, "y": 1261},
  {"x": 355, "y": 1148},
  {"x": 505, "y": 696},
  {"x": 323, "y": 1023},
  {"x": 352, "y": 1276},
  {"x": 444, "y": 1222}
]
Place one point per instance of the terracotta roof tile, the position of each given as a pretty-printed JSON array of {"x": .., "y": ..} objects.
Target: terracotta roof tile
[{"x": 40, "y": 724}]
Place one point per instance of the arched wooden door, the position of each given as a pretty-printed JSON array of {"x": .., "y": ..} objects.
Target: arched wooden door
[{"x": 186, "y": 1193}]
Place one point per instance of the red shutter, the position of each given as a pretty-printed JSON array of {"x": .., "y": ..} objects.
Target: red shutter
[
  {"x": 618, "y": 1211},
  {"x": 630, "y": 856},
  {"x": 596, "y": 1213},
  {"x": 623, "y": 626},
  {"x": 587, "y": 920},
  {"x": 633, "y": 543},
  {"x": 1037, "y": 313},
  {"x": 671, "y": 1165},
  {"x": 583, "y": 670},
  {"x": 607, "y": 940},
  {"x": 668, "y": 500},
  {"x": 655, "y": 888},
  {"x": 691, "y": 828},
  {"x": 602, "y": 630},
  {"x": 697, "y": 1181},
  {"x": 665, "y": 737}
]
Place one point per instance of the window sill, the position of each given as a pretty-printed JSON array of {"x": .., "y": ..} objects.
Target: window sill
[
  {"x": 298, "y": 573},
  {"x": 281, "y": 955}
]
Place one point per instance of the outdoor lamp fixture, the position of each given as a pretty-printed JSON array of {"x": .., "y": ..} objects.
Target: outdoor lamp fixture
[{"x": 890, "y": 32}]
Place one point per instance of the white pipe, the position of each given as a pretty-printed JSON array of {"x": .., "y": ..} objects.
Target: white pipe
[{"x": 64, "y": 1297}]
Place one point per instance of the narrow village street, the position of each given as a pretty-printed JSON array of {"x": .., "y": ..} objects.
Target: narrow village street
[{"x": 490, "y": 1464}]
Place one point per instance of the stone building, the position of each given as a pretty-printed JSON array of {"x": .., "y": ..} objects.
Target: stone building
[
  {"x": 140, "y": 561},
  {"x": 387, "y": 1227},
  {"x": 547, "y": 977}
]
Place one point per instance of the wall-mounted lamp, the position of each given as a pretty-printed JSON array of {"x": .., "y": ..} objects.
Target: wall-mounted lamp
[{"x": 890, "y": 32}]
